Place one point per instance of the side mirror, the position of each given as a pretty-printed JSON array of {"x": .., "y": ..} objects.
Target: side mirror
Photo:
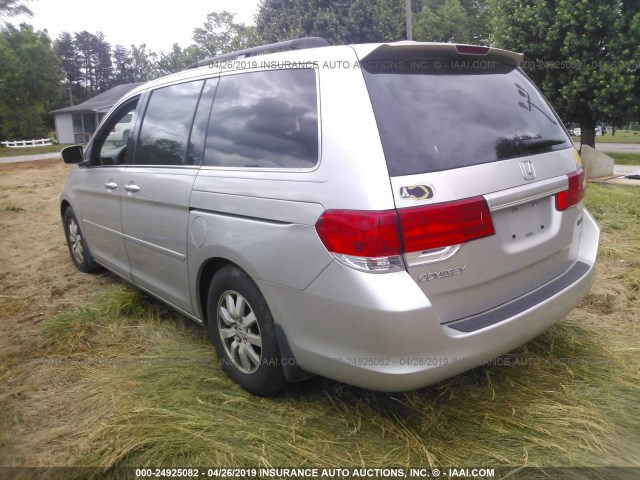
[{"x": 73, "y": 154}]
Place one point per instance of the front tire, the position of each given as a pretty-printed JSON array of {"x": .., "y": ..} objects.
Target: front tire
[
  {"x": 241, "y": 329},
  {"x": 77, "y": 244}
]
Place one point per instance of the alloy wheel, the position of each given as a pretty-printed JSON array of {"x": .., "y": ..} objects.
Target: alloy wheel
[
  {"x": 239, "y": 331},
  {"x": 75, "y": 240}
]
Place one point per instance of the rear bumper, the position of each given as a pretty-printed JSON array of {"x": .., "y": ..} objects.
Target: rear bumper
[{"x": 380, "y": 331}]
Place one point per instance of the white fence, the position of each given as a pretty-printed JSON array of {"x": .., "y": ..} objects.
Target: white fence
[{"x": 27, "y": 143}]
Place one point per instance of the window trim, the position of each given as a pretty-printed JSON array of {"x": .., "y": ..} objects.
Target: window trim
[{"x": 274, "y": 170}]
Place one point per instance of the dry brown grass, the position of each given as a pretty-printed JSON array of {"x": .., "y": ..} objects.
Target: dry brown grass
[
  {"x": 94, "y": 373},
  {"x": 37, "y": 281}
]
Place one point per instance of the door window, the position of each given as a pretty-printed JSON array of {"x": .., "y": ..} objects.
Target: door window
[
  {"x": 111, "y": 146},
  {"x": 164, "y": 134}
]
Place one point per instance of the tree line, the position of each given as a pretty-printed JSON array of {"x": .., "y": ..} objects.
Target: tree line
[
  {"x": 583, "y": 55},
  {"x": 90, "y": 64},
  {"x": 38, "y": 75}
]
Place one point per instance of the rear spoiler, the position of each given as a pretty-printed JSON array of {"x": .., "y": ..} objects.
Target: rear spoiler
[{"x": 425, "y": 50}]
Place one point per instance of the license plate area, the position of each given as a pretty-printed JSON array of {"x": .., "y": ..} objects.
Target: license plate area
[{"x": 524, "y": 221}]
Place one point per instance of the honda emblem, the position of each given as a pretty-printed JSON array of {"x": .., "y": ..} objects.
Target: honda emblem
[{"x": 528, "y": 172}]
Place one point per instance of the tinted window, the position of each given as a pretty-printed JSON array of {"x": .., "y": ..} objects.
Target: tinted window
[
  {"x": 454, "y": 116},
  {"x": 166, "y": 125},
  {"x": 265, "y": 120}
]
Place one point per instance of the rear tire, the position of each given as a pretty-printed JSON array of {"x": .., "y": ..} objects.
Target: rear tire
[
  {"x": 77, "y": 244},
  {"x": 241, "y": 329}
]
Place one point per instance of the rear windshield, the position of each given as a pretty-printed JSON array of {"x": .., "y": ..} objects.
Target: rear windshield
[{"x": 444, "y": 115}]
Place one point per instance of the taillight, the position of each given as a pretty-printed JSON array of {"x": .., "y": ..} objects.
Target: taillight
[
  {"x": 361, "y": 239},
  {"x": 375, "y": 241},
  {"x": 445, "y": 224},
  {"x": 574, "y": 194},
  {"x": 361, "y": 233},
  {"x": 472, "y": 49}
]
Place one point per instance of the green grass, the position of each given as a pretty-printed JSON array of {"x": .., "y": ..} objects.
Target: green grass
[
  {"x": 621, "y": 136},
  {"x": 625, "y": 158},
  {"x": 617, "y": 210},
  {"x": 15, "y": 152}
]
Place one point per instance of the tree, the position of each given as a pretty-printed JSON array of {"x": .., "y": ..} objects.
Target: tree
[
  {"x": 143, "y": 63},
  {"x": 361, "y": 21},
  {"x": 84, "y": 50},
  {"x": 94, "y": 57},
  {"x": 375, "y": 21},
  {"x": 279, "y": 20},
  {"x": 29, "y": 80},
  {"x": 66, "y": 49},
  {"x": 220, "y": 34},
  {"x": 123, "y": 66},
  {"x": 581, "y": 54},
  {"x": 326, "y": 18},
  {"x": 103, "y": 65},
  {"x": 340, "y": 21},
  {"x": 460, "y": 21},
  {"x": 177, "y": 59},
  {"x": 73, "y": 90},
  {"x": 13, "y": 8}
]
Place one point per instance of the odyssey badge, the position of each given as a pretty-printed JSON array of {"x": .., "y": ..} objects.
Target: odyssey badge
[{"x": 427, "y": 277}]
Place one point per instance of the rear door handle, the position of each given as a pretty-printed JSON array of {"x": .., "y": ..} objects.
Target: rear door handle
[
  {"x": 132, "y": 187},
  {"x": 111, "y": 185}
]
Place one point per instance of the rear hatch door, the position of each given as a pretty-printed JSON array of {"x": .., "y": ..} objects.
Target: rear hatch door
[{"x": 476, "y": 160}]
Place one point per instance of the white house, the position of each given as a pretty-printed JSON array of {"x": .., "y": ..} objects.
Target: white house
[{"x": 76, "y": 124}]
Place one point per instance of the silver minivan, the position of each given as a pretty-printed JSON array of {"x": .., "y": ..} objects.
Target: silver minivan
[{"x": 385, "y": 215}]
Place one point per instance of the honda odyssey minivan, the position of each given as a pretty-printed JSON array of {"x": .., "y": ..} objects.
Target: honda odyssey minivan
[{"x": 385, "y": 215}]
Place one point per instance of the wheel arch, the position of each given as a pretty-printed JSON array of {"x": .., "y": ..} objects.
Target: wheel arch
[
  {"x": 64, "y": 204},
  {"x": 292, "y": 371},
  {"x": 207, "y": 270}
]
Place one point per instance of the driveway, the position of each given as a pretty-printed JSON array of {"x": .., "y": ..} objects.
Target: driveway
[
  {"x": 627, "y": 169},
  {"x": 30, "y": 158}
]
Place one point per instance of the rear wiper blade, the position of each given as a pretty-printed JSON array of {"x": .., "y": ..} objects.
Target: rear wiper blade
[{"x": 541, "y": 142}]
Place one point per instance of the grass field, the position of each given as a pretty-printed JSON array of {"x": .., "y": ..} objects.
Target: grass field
[
  {"x": 625, "y": 158},
  {"x": 15, "y": 152},
  {"x": 621, "y": 136},
  {"x": 94, "y": 373}
]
